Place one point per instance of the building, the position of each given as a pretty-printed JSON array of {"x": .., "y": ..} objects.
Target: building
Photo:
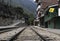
[
  {"x": 51, "y": 17},
  {"x": 47, "y": 11}
]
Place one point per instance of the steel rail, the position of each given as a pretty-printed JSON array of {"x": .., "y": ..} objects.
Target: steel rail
[
  {"x": 7, "y": 30},
  {"x": 1, "y": 29},
  {"x": 16, "y": 35},
  {"x": 39, "y": 35},
  {"x": 48, "y": 31}
]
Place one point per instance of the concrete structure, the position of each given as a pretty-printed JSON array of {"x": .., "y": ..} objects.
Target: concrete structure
[
  {"x": 47, "y": 11},
  {"x": 36, "y": 22}
]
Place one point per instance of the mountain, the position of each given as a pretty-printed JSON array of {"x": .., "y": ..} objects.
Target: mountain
[{"x": 27, "y": 4}]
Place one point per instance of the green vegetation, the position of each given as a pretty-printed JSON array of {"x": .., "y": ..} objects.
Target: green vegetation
[
  {"x": 19, "y": 12},
  {"x": 16, "y": 13},
  {"x": 31, "y": 19}
]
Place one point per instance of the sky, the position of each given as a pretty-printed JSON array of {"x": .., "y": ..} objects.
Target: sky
[{"x": 32, "y": 0}]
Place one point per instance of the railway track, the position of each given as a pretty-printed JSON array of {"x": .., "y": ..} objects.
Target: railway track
[
  {"x": 3, "y": 30},
  {"x": 42, "y": 38},
  {"x": 48, "y": 35},
  {"x": 7, "y": 36},
  {"x": 28, "y": 34},
  {"x": 16, "y": 35},
  {"x": 7, "y": 29}
]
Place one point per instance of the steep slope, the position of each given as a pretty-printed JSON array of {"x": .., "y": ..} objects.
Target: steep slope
[{"x": 26, "y": 4}]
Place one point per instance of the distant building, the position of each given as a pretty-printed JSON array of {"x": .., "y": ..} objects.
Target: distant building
[{"x": 47, "y": 11}]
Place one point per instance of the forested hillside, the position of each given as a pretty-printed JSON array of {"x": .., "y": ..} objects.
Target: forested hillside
[{"x": 9, "y": 13}]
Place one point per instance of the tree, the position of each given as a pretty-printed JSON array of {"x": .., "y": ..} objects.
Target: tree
[
  {"x": 19, "y": 10},
  {"x": 31, "y": 19}
]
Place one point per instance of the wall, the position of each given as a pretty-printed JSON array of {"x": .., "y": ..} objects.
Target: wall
[
  {"x": 50, "y": 15},
  {"x": 50, "y": 24},
  {"x": 57, "y": 23}
]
